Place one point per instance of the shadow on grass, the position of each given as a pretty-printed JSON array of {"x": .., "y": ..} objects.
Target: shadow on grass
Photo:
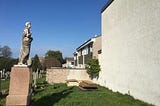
[
  {"x": 2, "y": 97},
  {"x": 50, "y": 100}
]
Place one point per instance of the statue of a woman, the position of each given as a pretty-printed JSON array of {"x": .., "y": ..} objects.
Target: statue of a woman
[{"x": 26, "y": 44}]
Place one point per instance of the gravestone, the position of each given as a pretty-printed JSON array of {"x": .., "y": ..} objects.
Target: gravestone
[
  {"x": 1, "y": 74},
  {"x": 20, "y": 81},
  {"x": 35, "y": 77},
  {"x": 40, "y": 74},
  {"x": 7, "y": 74}
]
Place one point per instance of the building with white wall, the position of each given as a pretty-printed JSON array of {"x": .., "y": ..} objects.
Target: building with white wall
[
  {"x": 69, "y": 62},
  {"x": 88, "y": 50},
  {"x": 130, "y": 60}
]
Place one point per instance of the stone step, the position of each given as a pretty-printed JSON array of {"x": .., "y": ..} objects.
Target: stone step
[{"x": 88, "y": 85}]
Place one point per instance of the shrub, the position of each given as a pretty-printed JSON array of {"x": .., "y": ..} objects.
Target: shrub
[{"x": 93, "y": 68}]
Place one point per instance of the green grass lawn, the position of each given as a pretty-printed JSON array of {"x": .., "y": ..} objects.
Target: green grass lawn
[
  {"x": 4, "y": 88},
  {"x": 61, "y": 95}
]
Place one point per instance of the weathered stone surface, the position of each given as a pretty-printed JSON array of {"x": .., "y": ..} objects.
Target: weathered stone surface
[
  {"x": 72, "y": 82},
  {"x": 57, "y": 75},
  {"x": 60, "y": 75},
  {"x": 19, "y": 89},
  {"x": 17, "y": 100}
]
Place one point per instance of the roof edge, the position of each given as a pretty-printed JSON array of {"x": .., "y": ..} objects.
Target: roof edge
[
  {"x": 84, "y": 43},
  {"x": 107, "y": 4},
  {"x": 90, "y": 40}
]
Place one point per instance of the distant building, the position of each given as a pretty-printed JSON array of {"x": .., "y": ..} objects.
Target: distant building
[
  {"x": 88, "y": 50},
  {"x": 69, "y": 63}
]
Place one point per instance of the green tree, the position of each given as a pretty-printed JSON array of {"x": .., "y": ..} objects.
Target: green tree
[
  {"x": 55, "y": 54},
  {"x": 5, "y": 51},
  {"x": 6, "y": 63},
  {"x": 93, "y": 68},
  {"x": 36, "y": 63}
]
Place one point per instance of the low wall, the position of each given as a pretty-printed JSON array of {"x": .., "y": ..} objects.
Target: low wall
[
  {"x": 60, "y": 75},
  {"x": 78, "y": 74}
]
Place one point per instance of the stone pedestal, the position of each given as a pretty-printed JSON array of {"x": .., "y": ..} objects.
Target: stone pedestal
[{"x": 20, "y": 87}]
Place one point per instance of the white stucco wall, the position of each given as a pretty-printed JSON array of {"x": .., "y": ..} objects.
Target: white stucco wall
[
  {"x": 131, "y": 48},
  {"x": 97, "y": 45}
]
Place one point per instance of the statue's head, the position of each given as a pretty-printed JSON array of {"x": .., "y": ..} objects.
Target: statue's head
[{"x": 28, "y": 24}]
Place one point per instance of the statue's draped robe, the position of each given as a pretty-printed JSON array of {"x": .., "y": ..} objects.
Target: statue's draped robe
[{"x": 25, "y": 47}]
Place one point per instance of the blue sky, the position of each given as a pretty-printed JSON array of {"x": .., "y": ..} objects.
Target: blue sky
[{"x": 56, "y": 24}]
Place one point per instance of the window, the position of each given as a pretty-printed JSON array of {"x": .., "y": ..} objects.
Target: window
[
  {"x": 79, "y": 53},
  {"x": 72, "y": 63},
  {"x": 85, "y": 51}
]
